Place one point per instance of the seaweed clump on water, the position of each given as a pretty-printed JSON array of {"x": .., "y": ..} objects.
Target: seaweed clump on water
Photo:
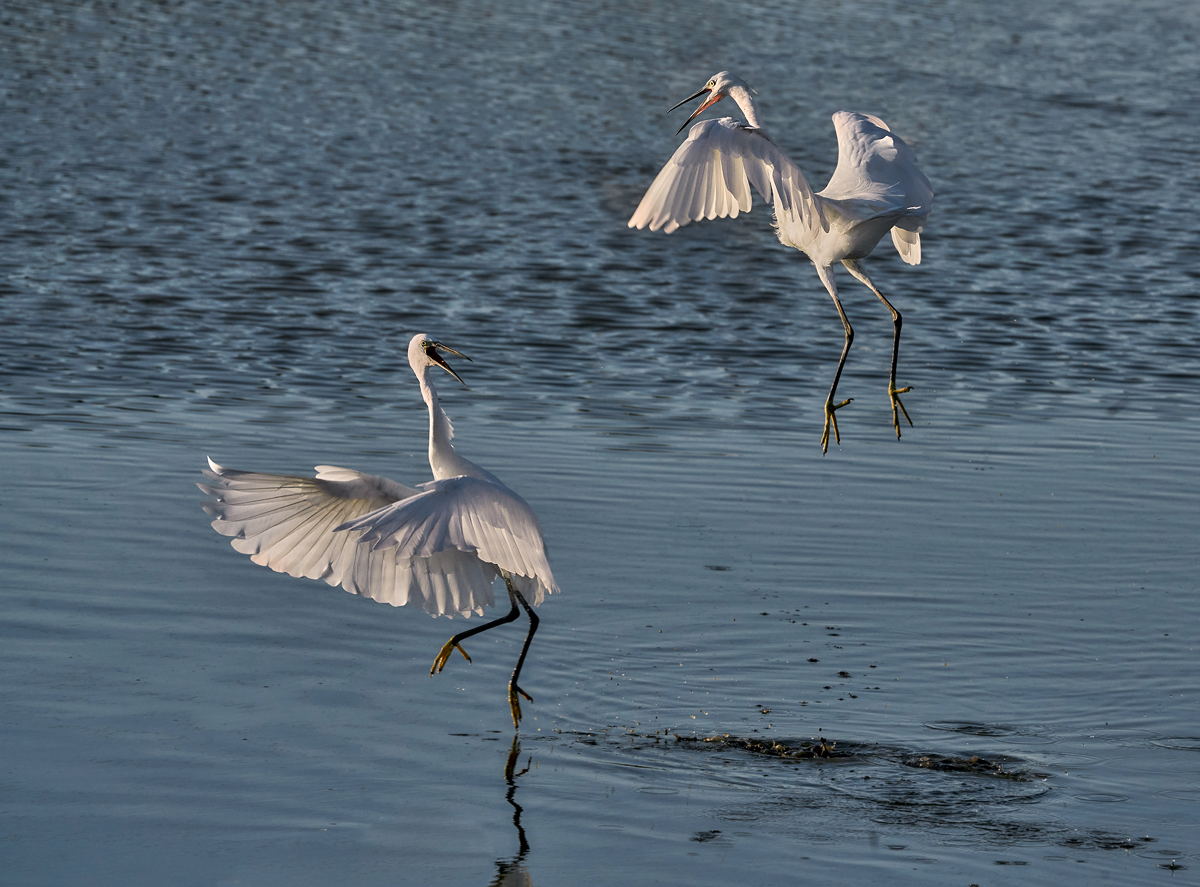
[{"x": 816, "y": 748}]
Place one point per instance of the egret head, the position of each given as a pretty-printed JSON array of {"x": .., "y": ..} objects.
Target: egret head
[
  {"x": 717, "y": 88},
  {"x": 423, "y": 352}
]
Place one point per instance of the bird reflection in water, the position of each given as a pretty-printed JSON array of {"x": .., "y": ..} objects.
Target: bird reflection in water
[{"x": 511, "y": 872}]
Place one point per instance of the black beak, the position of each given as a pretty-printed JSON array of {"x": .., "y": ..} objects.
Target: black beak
[
  {"x": 684, "y": 102},
  {"x": 688, "y": 99},
  {"x": 431, "y": 350}
]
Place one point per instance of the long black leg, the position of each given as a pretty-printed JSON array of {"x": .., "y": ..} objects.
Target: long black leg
[
  {"x": 513, "y": 689},
  {"x": 826, "y": 276},
  {"x": 440, "y": 662},
  {"x": 897, "y": 321}
]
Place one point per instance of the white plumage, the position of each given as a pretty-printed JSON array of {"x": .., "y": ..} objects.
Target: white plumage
[
  {"x": 876, "y": 188},
  {"x": 439, "y": 548},
  {"x": 479, "y": 519},
  {"x": 710, "y": 175}
]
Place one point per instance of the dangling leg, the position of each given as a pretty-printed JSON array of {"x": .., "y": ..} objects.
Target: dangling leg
[
  {"x": 854, "y": 268},
  {"x": 451, "y": 645},
  {"x": 513, "y": 702},
  {"x": 827, "y": 279}
]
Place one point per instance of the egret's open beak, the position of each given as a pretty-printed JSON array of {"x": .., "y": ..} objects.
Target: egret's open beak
[
  {"x": 711, "y": 100},
  {"x": 431, "y": 350}
]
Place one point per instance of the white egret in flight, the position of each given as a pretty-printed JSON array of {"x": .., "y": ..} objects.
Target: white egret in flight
[
  {"x": 876, "y": 187},
  {"x": 439, "y": 549}
]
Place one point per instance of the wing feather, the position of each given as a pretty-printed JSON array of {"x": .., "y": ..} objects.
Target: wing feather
[
  {"x": 706, "y": 193},
  {"x": 710, "y": 175},
  {"x": 445, "y": 584},
  {"x": 700, "y": 191},
  {"x": 287, "y": 522},
  {"x": 290, "y": 524},
  {"x": 466, "y": 514},
  {"x": 908, "y": 244},
  {"x": 876, "y": 167}
]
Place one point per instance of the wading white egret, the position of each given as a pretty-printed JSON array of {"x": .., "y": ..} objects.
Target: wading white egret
[
  {"x": 439, "y": 549},
  {"x": 876, "y": 187}
]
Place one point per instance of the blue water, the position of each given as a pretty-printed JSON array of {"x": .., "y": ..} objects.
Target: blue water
[{"x": 220, "y": 224}]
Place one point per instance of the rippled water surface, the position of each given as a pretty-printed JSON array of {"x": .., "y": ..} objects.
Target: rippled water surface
[{"x": 967, "y": 657}]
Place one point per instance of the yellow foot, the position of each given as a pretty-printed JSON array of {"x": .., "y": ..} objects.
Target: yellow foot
[
  {"x": 893, "y": 391},
  {"x": 831, "y": 419},
  {"x": 444, "y": 654},
  {"x": 515, "y": 703}
]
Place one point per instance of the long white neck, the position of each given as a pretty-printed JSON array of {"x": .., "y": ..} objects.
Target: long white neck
[
  {"x": 442, "y": 458},
  {"x": 443, "y": 461},
  {"x": 741, "y": 95}
]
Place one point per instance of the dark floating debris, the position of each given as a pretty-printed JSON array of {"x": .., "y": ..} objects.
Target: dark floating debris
[
  {"x": 826, "y": 749},
  {"x": 899, "y": 800},
  {"x": 817, "y": 748}
]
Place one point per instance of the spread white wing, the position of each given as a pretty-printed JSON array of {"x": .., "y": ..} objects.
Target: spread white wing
[
  {"x": 293, "y": 525},
  {"x": 470, "y": 515},
  {"x": 287, "y": 523},
  {"x": 710, "y": 174},
  {"x": 877, "y": 173}
]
